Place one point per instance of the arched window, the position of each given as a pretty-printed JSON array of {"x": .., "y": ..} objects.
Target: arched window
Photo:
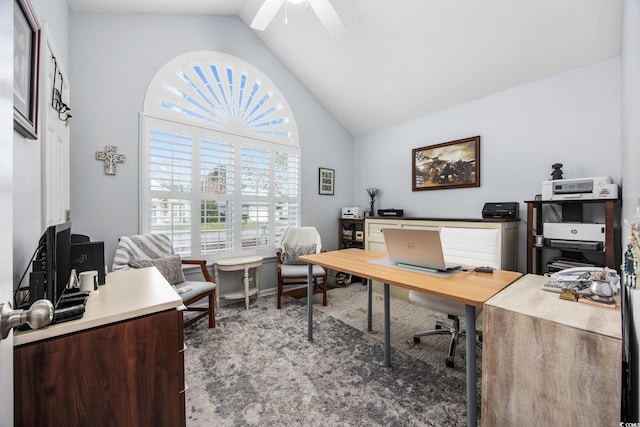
[{"x": 220, "y": 158}]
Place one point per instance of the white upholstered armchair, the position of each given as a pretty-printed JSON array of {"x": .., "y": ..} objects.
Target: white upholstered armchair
[{"x": 292, "y": 273}]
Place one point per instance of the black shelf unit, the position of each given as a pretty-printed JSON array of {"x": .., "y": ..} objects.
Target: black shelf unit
[
  {"x": 351, "y": 233},
  {"x": 573, "y": 211}
]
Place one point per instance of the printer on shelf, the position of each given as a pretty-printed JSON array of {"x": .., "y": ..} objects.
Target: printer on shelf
[
  {"x": 352, "y": 213},
  {"x": 594, "y": 188},
  {"x": 573, "y": 235}
]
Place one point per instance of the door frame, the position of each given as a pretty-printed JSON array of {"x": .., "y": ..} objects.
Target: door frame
[{"x": 6, "y": 202}]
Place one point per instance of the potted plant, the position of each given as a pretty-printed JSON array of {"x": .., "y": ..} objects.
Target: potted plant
[{"x": 372, "y": 192}]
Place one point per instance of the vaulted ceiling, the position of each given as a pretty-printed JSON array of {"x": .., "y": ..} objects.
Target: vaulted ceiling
[{"x": 400, "y": 59}]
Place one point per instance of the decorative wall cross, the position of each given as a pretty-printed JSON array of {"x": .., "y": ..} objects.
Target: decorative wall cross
[{"x": 111, "y": 158}]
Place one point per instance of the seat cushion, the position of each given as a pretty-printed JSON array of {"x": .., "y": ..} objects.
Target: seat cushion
[
  {"x": 300, "y": 270},
  {"x": 170, "y": 267},
  {"x": 191, "y": 288}
]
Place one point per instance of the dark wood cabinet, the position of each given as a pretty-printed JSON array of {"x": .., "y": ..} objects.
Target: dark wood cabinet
[
  {"x": 585, "y": 210},
  {"x": 351, "y": 233},
  {"x": 121, "y": 364},
  {"x": 129, "y": 373}
]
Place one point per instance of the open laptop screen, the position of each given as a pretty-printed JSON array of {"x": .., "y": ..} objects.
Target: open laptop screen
[{"x": 413, "y": 247}]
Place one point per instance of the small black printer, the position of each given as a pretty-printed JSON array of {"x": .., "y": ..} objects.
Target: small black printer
[{"x": 501, "y": 210}]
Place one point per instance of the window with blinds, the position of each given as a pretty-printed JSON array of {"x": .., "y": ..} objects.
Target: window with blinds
[
  {"x": 215, "y": 193},
  {"x": 220, "y": 158}
]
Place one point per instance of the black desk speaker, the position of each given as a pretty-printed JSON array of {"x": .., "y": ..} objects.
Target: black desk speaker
[{"x": 89, "y": 256}]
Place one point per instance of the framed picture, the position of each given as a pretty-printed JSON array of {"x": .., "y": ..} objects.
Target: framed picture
[
  {"x": 326, "y": 181},
  {"x": 26, "y": 68},
  {"x": 454, "y": 164}
]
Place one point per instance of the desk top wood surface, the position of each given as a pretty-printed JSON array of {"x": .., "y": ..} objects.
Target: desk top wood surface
[
  {"x": 470, "y": 288},
  {"x": 127, "y": 294},
  {"x": 526, "y": 297}
]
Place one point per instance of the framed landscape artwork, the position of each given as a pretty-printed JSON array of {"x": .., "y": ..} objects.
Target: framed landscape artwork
[
  {"x": 326, "y": 179},
  {"x": 454, "y": 164}
]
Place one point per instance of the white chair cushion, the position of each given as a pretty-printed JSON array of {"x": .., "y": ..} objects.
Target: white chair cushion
[
  {"x": 189, "y": 288},
  {"x": 297, "y": 236},
  {"x": 300, "y": 270},
  {"x": 472, "y": 246}
]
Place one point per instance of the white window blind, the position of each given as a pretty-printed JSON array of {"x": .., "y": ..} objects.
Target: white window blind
[{"x": 217, "y": 194}]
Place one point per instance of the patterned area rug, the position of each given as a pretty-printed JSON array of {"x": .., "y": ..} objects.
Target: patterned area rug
[{"x": 256, "y": 368}]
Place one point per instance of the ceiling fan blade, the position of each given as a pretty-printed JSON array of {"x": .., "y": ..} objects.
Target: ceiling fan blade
[
  {"x": 265, "y": 14},
  {"x": 328, "y": 16}
]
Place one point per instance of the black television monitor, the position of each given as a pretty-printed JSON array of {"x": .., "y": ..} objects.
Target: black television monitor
[{"x": 55, "y": 260}]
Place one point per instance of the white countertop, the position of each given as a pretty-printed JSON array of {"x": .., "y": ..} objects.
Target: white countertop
[
  {"x": 526, "y": 297},
  {"x": 125, "y": 295}
]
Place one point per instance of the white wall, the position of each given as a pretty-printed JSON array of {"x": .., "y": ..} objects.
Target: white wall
[
  {"x": 631, "y": 172},
  {"x": 572, "y": 118},
  {"x": 27, "y": 205},
  {"x": 115, "y": 58}
]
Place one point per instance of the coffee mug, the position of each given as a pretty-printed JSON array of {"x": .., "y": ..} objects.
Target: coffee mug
[
  {"x": 89, "y": 280},
  {"x": 539, "y": 241}
]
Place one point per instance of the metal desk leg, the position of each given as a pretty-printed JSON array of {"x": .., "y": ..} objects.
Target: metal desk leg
[
  {"x": 472, "y": 403},
  {"x": 310, "y": 303},
  {"x": 387, "y": 324},
  {"x": 369, "y": 303}
]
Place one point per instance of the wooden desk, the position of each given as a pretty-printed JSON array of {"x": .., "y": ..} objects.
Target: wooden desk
[
  {"x": 120, "y": 364},
  {"x": 469, "y": 288}
]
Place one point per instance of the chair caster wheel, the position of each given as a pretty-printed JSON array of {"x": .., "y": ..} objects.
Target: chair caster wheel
[
  {"x": 449, "y": 362},
  {"x": 416, "y": 340}
]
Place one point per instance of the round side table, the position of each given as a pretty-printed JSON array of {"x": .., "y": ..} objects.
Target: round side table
[{"x": 237, "y": 264}]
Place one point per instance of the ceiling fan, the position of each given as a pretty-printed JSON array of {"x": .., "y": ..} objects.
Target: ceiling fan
[{"x": 326, "y": 13}]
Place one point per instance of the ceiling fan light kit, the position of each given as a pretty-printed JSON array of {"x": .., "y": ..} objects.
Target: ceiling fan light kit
[{"x": 322, "y": 8}]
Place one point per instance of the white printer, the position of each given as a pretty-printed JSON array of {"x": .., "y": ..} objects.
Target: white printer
[
  {"x": 600, "y": 187},
  {"x": 352, "y": 213},
  {"x": 574, "y": 231}
]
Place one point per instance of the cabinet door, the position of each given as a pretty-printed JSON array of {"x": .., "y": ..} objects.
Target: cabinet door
[
  {"x": 374, "y": 232},
  {"x": 124, "y": 374}
]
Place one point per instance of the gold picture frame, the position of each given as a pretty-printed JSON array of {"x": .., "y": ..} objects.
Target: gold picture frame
[{"x": 454, "y": 164}]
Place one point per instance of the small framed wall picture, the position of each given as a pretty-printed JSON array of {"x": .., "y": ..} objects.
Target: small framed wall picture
[{"x": 326, "y": 181}]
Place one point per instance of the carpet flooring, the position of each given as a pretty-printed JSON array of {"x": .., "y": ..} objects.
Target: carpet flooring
[{"x": 256, "y": 368}]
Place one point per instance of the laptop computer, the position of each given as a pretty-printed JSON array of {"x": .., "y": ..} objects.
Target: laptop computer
[{"x": 416, "y": 248}]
